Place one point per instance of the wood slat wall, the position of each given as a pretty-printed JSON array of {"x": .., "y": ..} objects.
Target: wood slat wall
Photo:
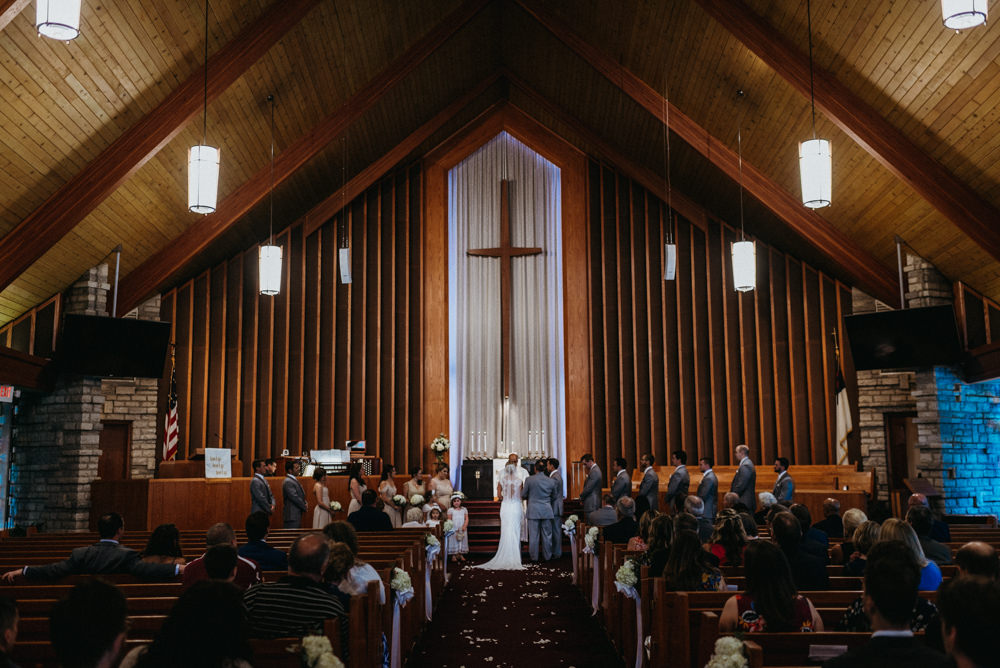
[
  {"x": 692, "y": 364},
  {"x": 321, "y": 362}
]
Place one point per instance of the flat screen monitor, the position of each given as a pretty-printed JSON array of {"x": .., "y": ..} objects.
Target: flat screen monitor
[
  {"x": 904, "y": 339},
  {"x": 94, "y": 345}
]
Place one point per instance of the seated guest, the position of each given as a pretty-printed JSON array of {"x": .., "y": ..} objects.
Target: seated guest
[
  {"x": 688, "y": 568},
  {"x": 808, "y": 570},
  {"x": 765, "y": 501},
  {"x": 922, "y": 521},
  {"x": 939, "y": 530},
  {"x": 640, "y": 542},
  {"x": 256, "y": 547},
  {"x": 771, "y": 601},
  {"x": 247, "y": 571},
  {"x": 732, "y": 500},
  {"x": 297, "y": 604},
  {"x": 9, "y": 619},
  {"x": 164, "y": 546},
  {"x": 220, "y": 563},
  {"x": 661, "y": 534},
  {"x": 605, "y": 515},
  {"x": 361, "y": 573},
  {"x": 814, "y": 541},
  {"x": 729, "y": 539},
  {"x": 841, "y": 552},
  {"x": 831, "y": 524},
  {"x": 106, "y": 556},
  {"x": 970, "y": 612},
  {"x": 890, "y": 594},
  {"x": 337, "y": 570},
  {"x": 87, "y": 629},
  {"x": 626, "y": 526},
  {"x": 930, "y": 574},
  {"x": 368, "y": 517},
  {"x": 206, "y": 627},
  {"x": 977, "y": 558},
  {"x": 863, "y": 539},
  {"x": 695, "y": 507},
  {"x": 749, "y": 526},
  {"x": 414, "y": 517}
]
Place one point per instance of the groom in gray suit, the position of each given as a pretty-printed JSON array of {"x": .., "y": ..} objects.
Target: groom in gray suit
[
  {"x": 540, "y": 492},
  {"x": 552, "y": 468}
]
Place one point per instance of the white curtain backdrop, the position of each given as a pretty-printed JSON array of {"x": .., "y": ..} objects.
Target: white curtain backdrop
[{"x": 535, "y": 413}]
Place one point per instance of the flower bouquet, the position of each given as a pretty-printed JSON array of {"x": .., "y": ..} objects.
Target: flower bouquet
[
  {"x": 728, "y": 654},
  {"x": 401, "y": 585},
  {"x": 318, "y": 653},
  {"x": 432, "y": 540},
  {"x": 416, "y": 500},
  {"x": 448, "y": 526},
  {"x": 399, "y": 500},
  {"x": 439, "y": 446},
  {"x": 335, "y": 506},
  {"x": 569, "y": 526},
  {"x": 590, "y": 538}
]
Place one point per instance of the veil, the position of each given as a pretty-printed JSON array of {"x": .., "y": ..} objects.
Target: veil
[
  {"x": 510, "y": 483},
  {"x": 508, "y": 555}
]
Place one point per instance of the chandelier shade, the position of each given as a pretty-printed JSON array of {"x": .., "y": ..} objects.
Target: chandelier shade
[
  {"x": 58, "y": 19},
  {"x": 669, "y": 262},
  {"x": 203, "y": 178},
  {"x": 269, "y": 266},
  {"x": 744, "y": 266},
  {"x": 962, "y": 14},
  {"x": 816, "y": 171}
]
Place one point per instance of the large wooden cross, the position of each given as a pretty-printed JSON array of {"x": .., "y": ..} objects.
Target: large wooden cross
[{"x": 505, "y": 252}]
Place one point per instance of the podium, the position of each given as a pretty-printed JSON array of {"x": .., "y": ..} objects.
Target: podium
[{"x": 477, "y": 479}]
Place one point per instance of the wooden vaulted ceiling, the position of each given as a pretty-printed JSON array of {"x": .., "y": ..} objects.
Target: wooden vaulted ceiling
[{"x": 94, "y": 133}]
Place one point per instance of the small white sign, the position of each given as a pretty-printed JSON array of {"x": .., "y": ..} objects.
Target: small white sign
[{"x": 218, "y": 463}]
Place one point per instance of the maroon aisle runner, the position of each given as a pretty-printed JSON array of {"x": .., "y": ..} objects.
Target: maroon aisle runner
[{"x": 508, "y": 619}]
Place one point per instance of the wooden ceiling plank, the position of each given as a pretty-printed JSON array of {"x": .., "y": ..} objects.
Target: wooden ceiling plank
[
  {"x": 158, "y": 268},
  {"x": 952, "y": 197},
  {"x": 867, "y": 271},
  {"x": 61, "y": 212},
  {"x": 9, "y": 9}
]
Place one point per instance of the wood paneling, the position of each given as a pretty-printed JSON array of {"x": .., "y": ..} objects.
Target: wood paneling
[
  {"x": 691, "y": 364},
  {"x": 321, "y": 362}
]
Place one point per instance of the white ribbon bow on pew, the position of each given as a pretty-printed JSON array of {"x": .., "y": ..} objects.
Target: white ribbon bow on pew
[
  {"x": 432, "y": 552},
  {"x": 595, "y": 596},
  {"x": 399, "y": 600},
  {"x": 444, "y": 541},
  {"x": 633, "y": 593},
  {"x": 572, "y": 544}
]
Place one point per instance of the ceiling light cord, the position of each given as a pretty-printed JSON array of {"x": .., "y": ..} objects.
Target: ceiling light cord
[
  {"x": 812, "y": 95},
  {"x": 666, "y": 159},
  {"x": 739, "y": 145},
  {"x": 204, "y": 106},
  {"x": 270, "y": 98}
]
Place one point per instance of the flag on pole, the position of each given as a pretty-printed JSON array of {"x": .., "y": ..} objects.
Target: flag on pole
[
  {"x": 170, "y": 422},
  {"x": 844, "y": 424}
]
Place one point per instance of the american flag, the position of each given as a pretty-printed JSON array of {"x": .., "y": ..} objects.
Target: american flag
[{"x": 170, "y": 422}]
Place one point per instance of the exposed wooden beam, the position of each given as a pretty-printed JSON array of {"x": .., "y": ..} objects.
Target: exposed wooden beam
[
  {"x": 9, "y": 9},
  {"x": 65, "y": 208},
  {"x": 367, "y": 177},
  {"x": 154, "y": 271},
  {"x": 23, "y": 370},
  {"x": 953, "y": 198},
  {"x": 855, "y": 261}
]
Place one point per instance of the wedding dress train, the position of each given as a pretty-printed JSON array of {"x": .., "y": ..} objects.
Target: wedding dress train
[{"x": 508, "y": 556}]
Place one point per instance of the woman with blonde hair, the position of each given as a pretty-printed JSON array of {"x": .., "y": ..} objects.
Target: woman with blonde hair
[
  {"x": 930, "y": 574},
  {"x": 729, "y": 539},
  {"x": 841, "y": 553},
  {"x": 864, "y": 537},
  {"x": 640, "y": 543}
]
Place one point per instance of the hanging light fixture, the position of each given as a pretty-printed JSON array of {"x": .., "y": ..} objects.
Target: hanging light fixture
[
  {"x": 58, "y": 19},
  {"x": 203, "y": 160},
  {"x": 669, "y": 248},
  {"x": 269, "y": 256},
  {"x": 961, "y": 14},
  {"x": 815, "y": 162},
  {"x": 744, "y": 252}
]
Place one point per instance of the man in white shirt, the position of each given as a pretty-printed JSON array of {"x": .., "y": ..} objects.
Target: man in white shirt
[
  {"x": 745, "y": 481},
  {"x": 708, "y": 488},
  {"x": 621, "y": 485},
  {"x": 650, "y": 485},
  {"x": 784, "y": 486},
  {"x": 680, "y": 481},
  {"x": 552, "y": 466}
]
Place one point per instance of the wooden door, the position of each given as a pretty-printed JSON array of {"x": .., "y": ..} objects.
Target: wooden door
[
  {"x": 116, "y": 450},
  {"x": 900, "y": 433}
]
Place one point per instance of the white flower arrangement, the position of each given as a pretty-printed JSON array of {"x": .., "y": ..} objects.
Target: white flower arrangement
[
  {"x": 627, "y": 575},
  {"x": 440, "y": 443},
  {"x": 416, "y": 500},
  {"x": 399, "y": 500},
  {"x": 317, "y": 652},
  {"x": 728, "y": 654},
  {"x": 448, "y": 526},
  {"x": 335, "y": 506},
  {"x": 401, "y": 581},
  {"x": 591, "y": 537},
  {"x": 569, "y": 526},
  {"x": 432, "y": 540},
  {"x": 574, "y": 519}
]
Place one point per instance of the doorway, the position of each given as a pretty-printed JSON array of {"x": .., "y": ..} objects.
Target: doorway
[
  {"x": 901, "y": 454},
  {"x": 116, "y": 450}
]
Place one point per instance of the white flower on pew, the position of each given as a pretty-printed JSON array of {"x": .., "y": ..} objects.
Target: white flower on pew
[
  {"x": 401, "y": 586},
  {"x": 317, "y": 652},
  {"x": 432, "y": 540},
  {"x": 627, "y": 578},
  {"x": 569, "y": 526},
  {"x": 448, "y": 526},
  {"x": 728, "y": 654},
  {"x": 399, "y": 500},
  {"x": 574, "y": 518},
  {"x": 440, "y": 444},
  {"x": 335, "y": 506},
  {"x": 416, "y": 500},
  {"x": 590, "y": 538}
]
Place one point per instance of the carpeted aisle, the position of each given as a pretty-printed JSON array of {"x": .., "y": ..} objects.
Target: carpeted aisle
[{"x": 534, "y": 617}]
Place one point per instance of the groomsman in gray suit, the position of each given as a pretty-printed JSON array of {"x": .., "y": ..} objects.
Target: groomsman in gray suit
[
  {"x": 680, "y": 481},
  {"x": 590, "y": 496},
  {"x": 650, "y": 485},
  {"x": 294, "y": 497},
  {"x": 784, "y": 486},
  {"x": 552, "y": 467},
  {"x": 540, "y": 492},
  {"x": 261, "y": 498},
  {"x": 745, "y": 480},
  {"x": 708, "y": 488},
  {"x": 622, "y": 483}
]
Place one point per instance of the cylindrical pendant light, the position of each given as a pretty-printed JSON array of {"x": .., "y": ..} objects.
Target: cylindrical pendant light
[
  {"x": 744, "y": 266},
  {"x": 962, "y": 14},
  {"x": 58, "y": 19},
  {"x": 270, "y": 270},
  {"x": 203, "y": 178},
  {"x": 816, "y": 172}
]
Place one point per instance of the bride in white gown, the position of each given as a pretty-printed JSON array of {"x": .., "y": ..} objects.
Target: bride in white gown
[{"x": 508, "y": 556}]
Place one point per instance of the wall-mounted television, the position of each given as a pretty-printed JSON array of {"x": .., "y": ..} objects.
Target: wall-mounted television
[
  {"x": 94, "y": 345},
  {"x": 904, "y": 339}
]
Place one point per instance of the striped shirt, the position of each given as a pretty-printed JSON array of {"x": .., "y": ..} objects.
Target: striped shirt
[{"x": 292, "y": 607}]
